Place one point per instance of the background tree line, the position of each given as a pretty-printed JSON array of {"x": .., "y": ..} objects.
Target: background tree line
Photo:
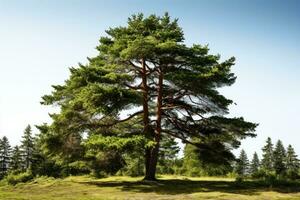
[
  {"x": 19, "y": 158},
  {"x": 278, "y": 162},
  {"x": 31, "y": 157}
]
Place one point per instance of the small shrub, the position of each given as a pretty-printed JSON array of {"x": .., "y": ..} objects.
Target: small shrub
[
  {"x": 98, "y": 174},
  {"x": 193, "y": 172},
  {"x": 239, "y": 180},
  {"x": 292, "y": 175},
  {"x": 231, "y": 175},
  {"x": 270, "y": 178},
  {"x": 14, "y": 179},
  {"x": 2, "y": 175}
]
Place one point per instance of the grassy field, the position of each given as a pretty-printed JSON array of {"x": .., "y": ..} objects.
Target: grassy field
[{"x": 168, "y": 187}]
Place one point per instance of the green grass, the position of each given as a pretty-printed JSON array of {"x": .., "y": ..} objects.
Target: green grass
[{"x": 168, "y": 187}]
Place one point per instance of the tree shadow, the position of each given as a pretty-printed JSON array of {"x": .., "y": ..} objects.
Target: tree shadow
[{"x": 175, "y": 186}]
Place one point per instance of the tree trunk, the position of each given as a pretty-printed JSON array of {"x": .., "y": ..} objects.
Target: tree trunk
[
  {"x": 152, "y": 154},
  {"x": 147, "y": 129}
]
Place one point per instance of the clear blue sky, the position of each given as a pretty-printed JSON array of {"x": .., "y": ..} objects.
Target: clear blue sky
[{"x": 40, "y": 39}]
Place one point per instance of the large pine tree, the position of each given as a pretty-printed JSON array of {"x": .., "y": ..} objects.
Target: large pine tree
[
  {"x": 268, "y": 157},
  {"x": 145, "y": 71},
  {"x": 279, "y": 156}
]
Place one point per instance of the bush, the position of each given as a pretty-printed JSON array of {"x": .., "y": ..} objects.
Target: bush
[
  {"x": 292, "y": 175},
  {"x": 2, "y": 175},
  {"x": 78, "y": 168},
  {"x": 134, "y": 166},
  {"x": 270, "y": 178},
  {"x": 98, "y": 174},
  {"x": 13, "y": 178},
  {"x": 239, "y": 180},
  {"x": 231, "y": 175},
  {"x": 195, "y": 172},
  {"x": 263, "y": 174},
  {"x": 164, "y": 169}
]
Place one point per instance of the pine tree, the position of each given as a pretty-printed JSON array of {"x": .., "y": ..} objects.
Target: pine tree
[
  {"x": 292, "y": 162},
  {"x": 242, "y": 166},
  {"x": 191, "y": 162},
  {"x": 5, "y": 155},
  {"x": 167, "y": 155},
  {"x": 144, "y": 69},
  {"x": 254, "y": 166},
  {"x": 268, "y": 158},
  {"x": 16, "y": 159},
  {"x": 279, "y": 156},
  {"x": 195, "y": 165},
  {"x": 27, "y": 145}
]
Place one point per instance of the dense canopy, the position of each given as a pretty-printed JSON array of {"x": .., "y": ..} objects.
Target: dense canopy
[{"x": 146, "y": 83}]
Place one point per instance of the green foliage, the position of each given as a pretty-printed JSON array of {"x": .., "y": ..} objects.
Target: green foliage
[
  {"x": 41, "y": 164},
  {"x": 58, "y": 152},
  {"x": 5, "y": 156},
  {"x": 106, "y": 162},
  {"x": 242, "y": 166},
  {"x": 27, "y": 146},
  {"x": 14, "y": 178},
  {"x": 268, "y": 157},
  {"x": 191, "y": 163},
  {"x": 122, "y": 78},
  {"x": 254, "y": 165},
  {"x": 292, "y": 163},
  {"x": 279, "y": 156},
  {"x": 134, "y": 164},
  {"x": 195, "y": 165},
  {"x": 16, "y": 159},
  {"x": 98, "y": 142},
  {"x": 270, "y": 177},
  {"x": 167, "y": 155}
]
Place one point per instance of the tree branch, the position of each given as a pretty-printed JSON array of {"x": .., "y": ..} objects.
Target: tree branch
[
  {"x": 176, "y": 136},
  {"x": 118, "y": 121}
]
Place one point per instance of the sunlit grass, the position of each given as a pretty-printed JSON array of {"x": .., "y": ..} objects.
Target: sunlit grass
[{"x": 168, "y": 187}]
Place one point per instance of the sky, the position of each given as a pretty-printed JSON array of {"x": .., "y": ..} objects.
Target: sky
[{"x": 41, "y": 39}]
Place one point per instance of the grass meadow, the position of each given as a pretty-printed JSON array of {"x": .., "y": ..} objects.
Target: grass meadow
[{"x": 168, "y": 187}]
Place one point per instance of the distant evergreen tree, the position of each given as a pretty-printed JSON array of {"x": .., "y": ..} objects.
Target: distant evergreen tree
[
  {"x": 27, "y": 145},
  {"x": 191, "y": 162},
  {"x": 134, "y": 164},
  {"x": 279, "y": 156},
  {"x": 242, "y": 167},
  {"x": 267, "y": 162},
  {"x": 254, "y": 166},
  {"x": 167, "y": 155},
  {"x": 194, "y": 164},
  {"x": 292, "y": 162},
  {"x": 5, "y": 155},
  {"x": 42, "y": 165},
  {"x": 16, "y": 159}
]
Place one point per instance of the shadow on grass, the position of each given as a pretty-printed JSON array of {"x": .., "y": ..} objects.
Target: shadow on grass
[{"x": 175, "y": 186}]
